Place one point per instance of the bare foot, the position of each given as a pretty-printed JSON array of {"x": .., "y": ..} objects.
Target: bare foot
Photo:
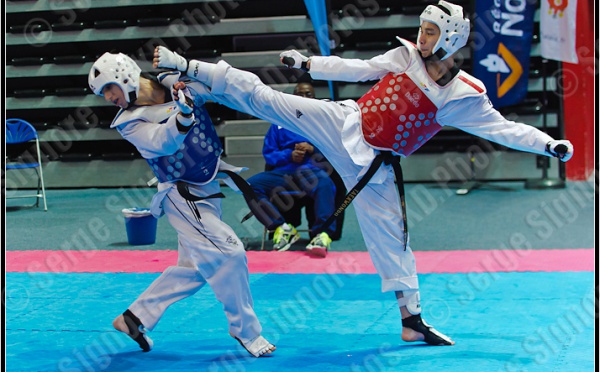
[
  {"x": 120, "y": 325},
  {"x": 416, "y": 329},
  {"x": 257, "y": 347},
  {"x": 410, "y": 335},
  {"x": 270, "y": 350},
  {"x": 135, "y": 330}
]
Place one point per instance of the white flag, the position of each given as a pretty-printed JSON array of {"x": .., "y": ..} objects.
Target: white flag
[{"x": 557, "y": 30}]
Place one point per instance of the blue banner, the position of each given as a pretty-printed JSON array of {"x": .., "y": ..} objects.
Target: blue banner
[
  {"x": 502, "y": 46},
  {"x": 318, "y": 15}
]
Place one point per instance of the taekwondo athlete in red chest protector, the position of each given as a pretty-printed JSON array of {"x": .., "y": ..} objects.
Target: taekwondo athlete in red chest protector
[{"x": 419, "y": 90}]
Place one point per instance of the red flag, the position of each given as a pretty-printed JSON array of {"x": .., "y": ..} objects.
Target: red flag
[{"x": 557, "y": 30}]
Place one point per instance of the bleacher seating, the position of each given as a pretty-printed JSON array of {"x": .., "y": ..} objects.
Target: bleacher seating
[{"x": 48, "y": 61}]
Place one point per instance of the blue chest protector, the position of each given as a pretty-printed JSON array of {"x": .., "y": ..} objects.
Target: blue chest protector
[{"x": 197, "y": 159}]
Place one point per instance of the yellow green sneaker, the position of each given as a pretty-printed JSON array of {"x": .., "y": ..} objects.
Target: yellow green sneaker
[
  {"x": 284, "y": 236},
  {"x": 319, "y": 245}
]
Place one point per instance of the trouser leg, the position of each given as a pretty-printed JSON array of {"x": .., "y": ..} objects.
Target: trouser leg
[
  {"x": 174, "y": 284},
  {"x": 321, "y": 190},
  {"x": 266, "y": 185},
  {"x": 319, "y": 121},
  {"x": 379, "y": 215},
  {"x": 212, "y": 247}
]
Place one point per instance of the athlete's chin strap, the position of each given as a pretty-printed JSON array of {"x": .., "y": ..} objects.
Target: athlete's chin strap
[
  {"x": 385, "y": 157},
  {"x": 436, "y": 57},
  {"x": 132, "y": 99}
]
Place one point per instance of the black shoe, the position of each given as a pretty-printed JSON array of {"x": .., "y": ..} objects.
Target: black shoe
[
  {"x": 432, "y": 336},
  {"x": 137, "y": 331}
]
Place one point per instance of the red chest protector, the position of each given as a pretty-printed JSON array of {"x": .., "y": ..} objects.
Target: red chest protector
[{"x": 397, "y": 116}]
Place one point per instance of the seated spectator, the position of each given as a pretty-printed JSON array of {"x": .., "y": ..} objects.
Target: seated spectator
[{"x": 292, "y": 163}]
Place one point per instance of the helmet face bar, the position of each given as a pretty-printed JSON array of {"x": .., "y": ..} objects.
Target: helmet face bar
[
  {"x": 117, "y": 69},
  {"x": 454, "y": 28}
]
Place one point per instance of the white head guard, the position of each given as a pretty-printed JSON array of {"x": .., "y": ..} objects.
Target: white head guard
[
  {"x": 454, "y": 28},
  {"x": 115, "y": 69}
]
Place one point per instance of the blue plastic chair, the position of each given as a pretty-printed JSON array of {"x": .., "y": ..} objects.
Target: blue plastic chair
[{"x": 20, "y": 131}]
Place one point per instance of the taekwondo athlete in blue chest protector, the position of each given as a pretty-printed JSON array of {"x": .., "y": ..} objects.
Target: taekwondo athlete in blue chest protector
[
  {"x": 168, "y": 124},
  {"x": 419, "y": 90}
]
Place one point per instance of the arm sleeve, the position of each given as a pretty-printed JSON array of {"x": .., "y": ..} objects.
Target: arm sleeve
[
  {"x": 340, "y": 69},
  {"x": 152, "y": 139},
  {"x": 477, "y": 116},
  {"x": 274, "y": 154}
]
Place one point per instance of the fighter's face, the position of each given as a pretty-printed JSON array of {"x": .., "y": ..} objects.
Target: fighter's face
[
  {"x": 429, "y": 35},
  {"x": 113, "y": 94}
]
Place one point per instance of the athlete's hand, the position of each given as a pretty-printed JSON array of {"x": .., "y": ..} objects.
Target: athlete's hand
[
  {"x": 293, "y": 59},
  {"x": 561, "y": 149},
  {"x": 164, "y": 58},
  {"x": 185, "y": 104}
]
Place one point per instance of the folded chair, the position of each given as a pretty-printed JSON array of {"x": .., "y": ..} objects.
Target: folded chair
[{"x": 18, "y": 131}]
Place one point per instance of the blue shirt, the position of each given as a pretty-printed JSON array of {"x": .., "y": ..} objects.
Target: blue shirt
[{"x": 278, "y": 148}]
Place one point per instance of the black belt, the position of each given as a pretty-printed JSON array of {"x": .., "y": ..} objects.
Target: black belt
[
  {"x": 385, "y": 157},
  {"x": 256, "y": 210},
  {"x": 184, "y": 191},
  {"x": 190, "y": 198},
  {"x": 249, "y": 195}
]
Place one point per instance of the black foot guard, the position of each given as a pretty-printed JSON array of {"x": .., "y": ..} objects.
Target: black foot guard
[
  {"x": 137, "y": 331},
  {"x": 432, "y": 336}
]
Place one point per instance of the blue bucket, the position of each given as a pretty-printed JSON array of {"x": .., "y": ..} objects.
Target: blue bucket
[{"x": 140, "y": 225}]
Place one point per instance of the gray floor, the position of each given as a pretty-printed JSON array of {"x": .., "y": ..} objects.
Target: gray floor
[{"x": 439, "y": 219}]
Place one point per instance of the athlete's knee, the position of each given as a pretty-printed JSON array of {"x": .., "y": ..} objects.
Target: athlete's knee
[
  {"x": 264, "y": 93},
  {"x": 185, "y": 262},
  {"x": 237, "y": 257}
]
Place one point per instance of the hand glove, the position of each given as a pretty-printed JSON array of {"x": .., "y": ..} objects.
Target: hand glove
[
  {"x": 186, "y": 110},
  {"x": 186, "y": 105},
  {"x": 164, "y": 58},
  {"x": 294, "y": 59},
  {"x": 561, "y": 149}
]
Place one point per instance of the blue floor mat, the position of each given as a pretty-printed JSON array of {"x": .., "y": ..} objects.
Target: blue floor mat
[{"x": 500, "y": 322}]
